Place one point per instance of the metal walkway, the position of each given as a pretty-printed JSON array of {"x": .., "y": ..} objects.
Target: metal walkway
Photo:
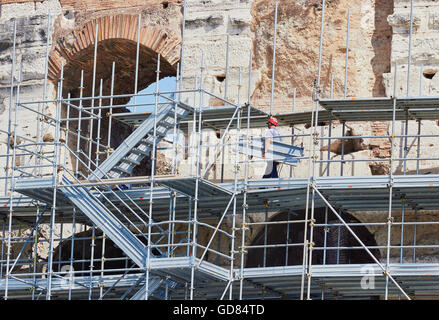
[{"x": 367, "y": 193}]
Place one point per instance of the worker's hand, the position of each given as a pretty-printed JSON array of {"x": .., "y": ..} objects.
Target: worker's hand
[{"x": 263, "y": 155}]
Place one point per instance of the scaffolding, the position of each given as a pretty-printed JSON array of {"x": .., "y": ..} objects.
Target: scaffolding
[{"x": 190, "y": 236}]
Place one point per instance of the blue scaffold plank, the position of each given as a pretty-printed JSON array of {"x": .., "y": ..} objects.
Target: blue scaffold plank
[{"x": 278, "y": 151}]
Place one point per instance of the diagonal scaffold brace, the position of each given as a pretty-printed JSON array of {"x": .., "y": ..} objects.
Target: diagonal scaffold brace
[{"x": 385, "y": 271}]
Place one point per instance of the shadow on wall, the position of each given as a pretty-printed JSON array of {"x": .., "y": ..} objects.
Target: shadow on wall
[
  {"x": 115, "y": 258},
  {"x": 336, "y": 237}
]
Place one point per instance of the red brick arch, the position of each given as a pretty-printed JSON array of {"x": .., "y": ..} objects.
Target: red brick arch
[{"x": 121, "y": 26}]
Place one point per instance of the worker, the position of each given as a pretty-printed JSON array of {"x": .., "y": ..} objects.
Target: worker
[{"x": 271, "y": 135}]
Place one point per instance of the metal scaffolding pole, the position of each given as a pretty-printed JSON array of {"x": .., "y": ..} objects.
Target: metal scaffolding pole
[
  {"x": 174, "y": 134},
  {"x": 46, "y": 71},
  {"x": 56, "y": 175},
  {"x": 347, "y": 55},
  {"x": 96, "y": 40},
  {"x": 13, "y": 181},
  {"x": 273, "y": 70},
  {"x": 409, "y": 62},
  {"x": 92, "y": 252},
  {"x": 198, "y": 177},
  {"x": 385, "y": 270},
  {"x": 308, "y": 245},
  {"x": 98, "y": 135},
  {"x": 235, "y": 188},
  {"x": 11, "y": 103},
  {"x": 246, "y": 177},
  {"x": 389, "y": 216},
  {"x": 136, "y": 78},
  {"x": 226, "y": 85},
  {"x": 183, "y": 29},
  {"x": 151, "y": 185}
]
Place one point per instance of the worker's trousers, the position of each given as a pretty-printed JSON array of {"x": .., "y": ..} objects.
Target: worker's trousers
[{"x": 271, "y": 170}]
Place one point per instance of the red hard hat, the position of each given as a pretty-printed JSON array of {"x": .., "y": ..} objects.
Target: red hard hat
[{"x": 273, "y": 121}]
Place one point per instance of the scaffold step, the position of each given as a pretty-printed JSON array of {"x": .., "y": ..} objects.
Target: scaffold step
[
  {"x": 154, "y": 284},
  {"x": 140, "y": 142},
  {"x": 141, "y": 152},
  {"x": 96, "y": 211},
  {"x": 146, "y": 142},
  {"x": 130, "y": 160},
  {"x": 120, "y": 169},
  {"x": 168, "y": 122}
]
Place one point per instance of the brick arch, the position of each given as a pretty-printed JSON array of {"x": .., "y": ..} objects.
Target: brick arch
[{"x": 120, "y": 26}]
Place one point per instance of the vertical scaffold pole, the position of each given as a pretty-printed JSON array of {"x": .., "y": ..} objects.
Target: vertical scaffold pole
[
  {"x": 67, "y": 129},
  {"x": 174, "y": 134},
  {"x": 136, "y": 78},
  {"x": 418, "y": 153},
  {"x": 192, "y": 137},
  {"x": 77, "y": 152},
  {"x": 192, "y": 158},
  {"x": 98, "y": 135},
  {"x": 92, "y": 253},
  {"x": 11, "y": 195},
  {"x": 46, "y": 71},
  {"x": 308, "y": 245},
  {"x": 326, "y": 229},
  {"x": 93, "y": 96},
  {"x": 183, "y": 29},
  {"x": 78, "y": 140},
  {"x": 226, "y": 86},
  {"x": 389, "y": 216},
  {"x": 151, "y": 185},
  {"x": 3, "y": 238},
  {"x": 409, "y": 62},
  {"x": 199, "y": 147},
  {"x": 244, "y": 204},
  {"x": 292, "y": 128},
  {"x": 101, "y": 287},
  {"x": 66, "y": 143},
  {"x": 110, "y": 114},
  {"x": 273, "y": 71},
  {"x": 58, "y": 106},
  {"x": 235, "y": 188},
  {"x": 343, "y": 133},
  {"x": 11, "y": 103},
  {"x": 347, "y": 55},
  {"x": 35, "y": 249},
  {"x": 226, "y": 82}
]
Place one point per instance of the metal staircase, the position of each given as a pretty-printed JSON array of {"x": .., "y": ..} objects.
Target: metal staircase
[
  {"x": 140, "y": 143},
  {"x": 101, "y": 216},
  {"x": 154, "y": 284}
]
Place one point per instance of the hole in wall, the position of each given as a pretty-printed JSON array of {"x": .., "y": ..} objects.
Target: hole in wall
[
  {"x": 69, "y": 15},
  {"x": 429, "y": 74},
  {"x": 165, "y": 5},
  {"x": 5, "y": 46},
  {"x": 220, "y": 78}
]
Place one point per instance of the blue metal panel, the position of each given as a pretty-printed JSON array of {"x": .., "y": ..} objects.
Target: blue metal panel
[{"x": 277, "y": 151}]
